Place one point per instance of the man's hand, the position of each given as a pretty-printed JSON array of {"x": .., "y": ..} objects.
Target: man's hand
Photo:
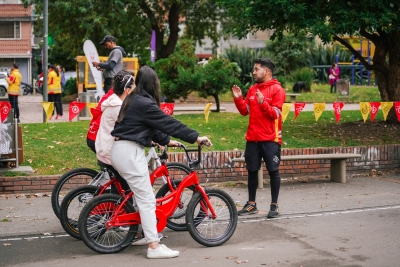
[
  {"x": 95, "y": 64},
  {"x": 260, "y": 97},
  {"x": 237, "y": 93}
]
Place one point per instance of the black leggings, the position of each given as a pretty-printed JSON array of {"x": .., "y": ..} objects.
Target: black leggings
[
  {"x": 252, "y": 184},
  {"x": 14, "y": 104}
]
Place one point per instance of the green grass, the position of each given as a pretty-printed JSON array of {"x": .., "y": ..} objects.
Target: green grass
[{"x": 55, "y": 148}]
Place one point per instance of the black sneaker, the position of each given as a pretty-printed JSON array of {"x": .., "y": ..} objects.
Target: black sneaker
[
  {"x": 273, "y": 211},
  {"x": 248, "y": 209}
]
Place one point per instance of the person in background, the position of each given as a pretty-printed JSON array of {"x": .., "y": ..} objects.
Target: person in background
[
  {"x": 62, "y": 73},
  {"x": 54, "y": 91},
  {"x": 263, "y": 104},
  {"x": 14, "y": 81},
  {"x": 141, "y": 122},
  {"x": 114, "y": 61},
  {"x": 334, "y": 73}
]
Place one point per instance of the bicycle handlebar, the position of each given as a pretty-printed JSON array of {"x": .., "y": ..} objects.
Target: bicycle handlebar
[{"x": 195, "y": 162}]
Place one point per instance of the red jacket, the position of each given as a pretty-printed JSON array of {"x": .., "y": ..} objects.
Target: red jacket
[
  {"x": 265, "y": 120},
  {"x": 96, "y": 113}
]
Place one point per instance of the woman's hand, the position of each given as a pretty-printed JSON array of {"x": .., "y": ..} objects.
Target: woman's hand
[
  {"x": 203, "y": 141},
  {"x": 174, "y": 143}
]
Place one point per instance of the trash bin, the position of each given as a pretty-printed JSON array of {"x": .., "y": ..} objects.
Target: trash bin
[
  {"x": 7, "y": 140},
  {"x": 86, "y": 97}
]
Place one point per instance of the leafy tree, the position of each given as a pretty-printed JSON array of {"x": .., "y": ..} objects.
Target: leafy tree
[
  {"x": 71, "y": 22},
  {"x": 177, "y": 73},
  {"x": 376, "y": 20},
  {"x": 217, "y": 77}
]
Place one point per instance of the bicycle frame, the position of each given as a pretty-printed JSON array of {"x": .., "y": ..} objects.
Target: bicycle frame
[{"x": 163, "y": 211}]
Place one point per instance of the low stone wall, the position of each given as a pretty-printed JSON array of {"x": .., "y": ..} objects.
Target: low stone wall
[{"x": 218, "y": 166}]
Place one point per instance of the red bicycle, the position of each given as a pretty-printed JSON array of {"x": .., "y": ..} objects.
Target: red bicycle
[
  {"x": 77, "y": 198},
  {"x": 211, "y": 215}
]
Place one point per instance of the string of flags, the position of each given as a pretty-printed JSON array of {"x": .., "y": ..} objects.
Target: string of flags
[{"x": 366, "y": 109}]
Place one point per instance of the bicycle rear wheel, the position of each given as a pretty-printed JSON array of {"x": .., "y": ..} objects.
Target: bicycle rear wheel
[
  {"x": 71, "y": 207},
  {"x": 68, "y": 181},
  {"x": 93, "y": 230},
  {"x": 202, "y": 227}
]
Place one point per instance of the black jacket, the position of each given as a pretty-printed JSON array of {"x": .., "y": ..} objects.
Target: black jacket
[{"x": 144, "y": 122}]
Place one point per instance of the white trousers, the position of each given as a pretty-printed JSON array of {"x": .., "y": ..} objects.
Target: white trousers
[{"x": 129, "y": 159}]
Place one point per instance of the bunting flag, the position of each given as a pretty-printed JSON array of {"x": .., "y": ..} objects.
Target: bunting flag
[
  {"x": 207, "y": 111},
  {"x": 285, "y": 110},
  {"x": 365, "y": 109},
  {"x": 298, "y": 107},
  {"x": 318, "y": 109},
  {"x": 374, "y": 109},
  {"x": 90, "y": 106},
  {"x": 337, "y": 108},
  {"x": 386, "y": 106},
  {"x": 74, "y": 109},
  {"x": 48, "y": 109},
  {"x": 167, "y": 108},
  {"x": 4, "y": 110},
  {"x": 397, "y": 109}
]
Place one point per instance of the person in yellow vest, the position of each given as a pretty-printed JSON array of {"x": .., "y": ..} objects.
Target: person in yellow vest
[
  {"x": 54, "y": 91},
  {"x": 14, "y": 81}
]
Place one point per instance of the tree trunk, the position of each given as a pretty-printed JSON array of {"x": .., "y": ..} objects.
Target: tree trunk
[
  {"x": 164, "y": 50},
  {"x": 216, "y": 102}
]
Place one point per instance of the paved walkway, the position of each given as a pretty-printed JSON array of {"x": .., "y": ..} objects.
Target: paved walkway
[{"x": 32, "y": 112}]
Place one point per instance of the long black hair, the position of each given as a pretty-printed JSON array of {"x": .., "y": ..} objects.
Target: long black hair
[
  {"x": 147, "y": 82},
  {"x": 122, "y": 80},
  {"x": 50, "y": 66}
]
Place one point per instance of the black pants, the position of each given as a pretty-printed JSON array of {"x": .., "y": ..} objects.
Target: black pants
[
  {"x": 271, "y": 153},
  {"x": 333, "y": 86},
  {"x": 14, "y": 104},
  {"x": 56, "y": 99},
  {"x": 107, "y": 84}
]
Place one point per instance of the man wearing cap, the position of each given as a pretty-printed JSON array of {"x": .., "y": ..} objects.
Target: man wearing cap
[{"x": 114, "y": 61}]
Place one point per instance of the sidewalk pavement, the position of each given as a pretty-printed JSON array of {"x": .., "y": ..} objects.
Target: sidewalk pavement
[
  {"x": 31, "y": 110},
  {"x": 31, "y": 214}
]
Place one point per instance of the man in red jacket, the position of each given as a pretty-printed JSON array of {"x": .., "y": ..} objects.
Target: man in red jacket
[{"x": 263, "y": 102}]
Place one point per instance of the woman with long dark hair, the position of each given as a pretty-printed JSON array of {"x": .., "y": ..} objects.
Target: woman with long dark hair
[{"x": 140, "y": 122}]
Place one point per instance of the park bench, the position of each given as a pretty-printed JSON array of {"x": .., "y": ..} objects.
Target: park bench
[
  {"x": 293, "y": 97},
  {"x": 337, "y": 168}
]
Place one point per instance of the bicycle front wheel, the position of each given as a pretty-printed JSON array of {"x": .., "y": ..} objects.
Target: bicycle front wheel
[
  {"x": 68, "y": 181},
  {"x": 71, "y": 207},
  {"x": 92, "y": 225},
  {"x": 202, "y": 227}
]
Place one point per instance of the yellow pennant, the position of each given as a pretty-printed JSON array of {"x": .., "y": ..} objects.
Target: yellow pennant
[
  {"x": 207, "y": 111},
  {"x": 48, "y": 109},
  {"x": 318, "y": 109},
  {"x": 285, "y": 110},
  {"x": 365, "y": 109},
  {"x": 386, "y": 106},
  {"x": 89, "y": 106}
]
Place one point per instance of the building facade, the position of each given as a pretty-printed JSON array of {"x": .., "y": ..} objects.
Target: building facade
[{"x": 16, "y": 37}]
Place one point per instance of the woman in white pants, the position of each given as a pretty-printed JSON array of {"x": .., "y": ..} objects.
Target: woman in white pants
[{"x": 140, "y": 122}]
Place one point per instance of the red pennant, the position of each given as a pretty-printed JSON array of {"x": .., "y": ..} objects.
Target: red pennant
[
  {"x": 397, "y": 109},
  {"x": 168, "y": 108},
  {"x": 337, "y": 107},
  {"x": 374, "y": 109},
  {"x": 4, "y": 110},
  {"x": 298, "y": 107},
  {"x": 75, "y": 108}
]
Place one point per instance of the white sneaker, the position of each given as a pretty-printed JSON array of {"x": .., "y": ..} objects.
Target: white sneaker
[
  {"x": 140, "y": 242},
  {"x": 162, "y": 252}
]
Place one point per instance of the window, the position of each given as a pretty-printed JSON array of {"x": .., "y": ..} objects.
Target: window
[{"x": 10, "y": 30}]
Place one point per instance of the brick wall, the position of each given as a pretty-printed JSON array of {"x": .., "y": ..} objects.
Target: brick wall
[{"x": 218, "y": 166}]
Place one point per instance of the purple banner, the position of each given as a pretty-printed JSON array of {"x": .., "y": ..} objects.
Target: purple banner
[{"x": 153, "y": 46}]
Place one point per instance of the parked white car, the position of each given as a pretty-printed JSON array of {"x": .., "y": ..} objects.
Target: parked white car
[{"x": 3, "y": 83}]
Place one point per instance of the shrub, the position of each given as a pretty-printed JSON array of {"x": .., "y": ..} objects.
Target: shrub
[
  {"x": 304, "y": 74},
  {"x": 70, "y": 87}
]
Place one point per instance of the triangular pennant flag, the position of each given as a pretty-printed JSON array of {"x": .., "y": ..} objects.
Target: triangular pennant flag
[
  {"x": 48, "y": 109},
  {"x": 298, "y": 107},
  {"x": 90, "y": 106},
  {"x": 337, "y": 108},
  {"x": 318, "y": 109},
  {"x": 365, "y": 109},
  {"x": 386, "y": 106},
  {"x": 74, "y": 109},
  {"x": 285, "y": 110},
  {"x": 374, "y": 109},
  {"x": 4, "y": 110},
  {"x": 397, "y": 109},
  {"x": 207, "y": 111},
  {"x": 167, "y": 108}
]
